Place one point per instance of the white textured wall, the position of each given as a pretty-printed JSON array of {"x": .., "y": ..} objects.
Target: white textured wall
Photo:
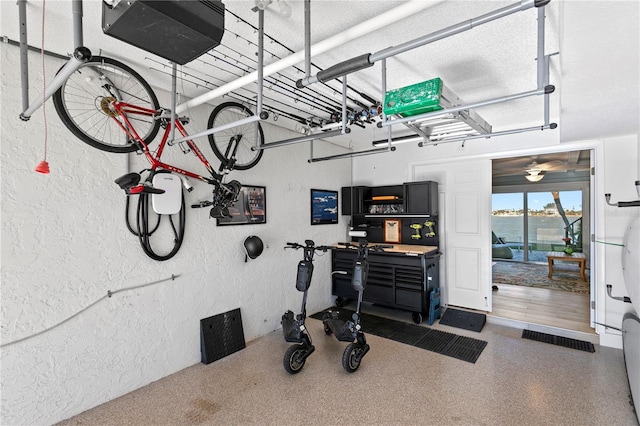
[{"x": 65, "y": 244}]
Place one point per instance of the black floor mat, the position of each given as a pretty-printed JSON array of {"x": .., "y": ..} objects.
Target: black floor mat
[
  {"x": 581, "y": 345},
  {"x": 449, "y": 344},
  {"x": 463, "y": 319}
]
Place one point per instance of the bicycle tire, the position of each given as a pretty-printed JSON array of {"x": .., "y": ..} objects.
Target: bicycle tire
[
  {"x": 79, "y": 105},
  {"x": 226, "y": 113}
]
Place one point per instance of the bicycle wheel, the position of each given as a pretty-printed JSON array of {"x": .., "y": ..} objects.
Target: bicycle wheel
[
  {"x": 82, "y": 103},
  {"x": 237, "y": 138}
]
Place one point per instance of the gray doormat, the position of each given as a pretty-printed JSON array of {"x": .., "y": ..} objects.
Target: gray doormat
[
  {"x": 449, "y": 344},
  {"x": 558, "y": 340}
]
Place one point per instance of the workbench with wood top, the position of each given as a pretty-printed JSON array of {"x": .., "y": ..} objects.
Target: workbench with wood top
[{"x": 402, "y": 276}]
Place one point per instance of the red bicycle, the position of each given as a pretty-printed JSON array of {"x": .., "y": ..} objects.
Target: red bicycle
[{"x": 109, "y": 106}]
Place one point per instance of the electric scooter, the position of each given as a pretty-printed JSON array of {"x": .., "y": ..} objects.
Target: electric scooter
[
  {"x": 293, "y": 328},
  {"x": 351, "y": 330}
]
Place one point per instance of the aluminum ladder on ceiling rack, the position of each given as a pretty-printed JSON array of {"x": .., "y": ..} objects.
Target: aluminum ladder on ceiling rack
[{"x": 461, "y": 123}]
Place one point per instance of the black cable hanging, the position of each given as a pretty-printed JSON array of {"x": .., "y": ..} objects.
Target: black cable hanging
[{"x": 144, "y": 232}]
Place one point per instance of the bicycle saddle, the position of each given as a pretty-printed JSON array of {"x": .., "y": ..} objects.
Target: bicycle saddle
[{"x": 127, "y": 181}]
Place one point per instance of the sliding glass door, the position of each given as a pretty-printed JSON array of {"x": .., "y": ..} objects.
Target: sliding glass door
[
  {"x": 507, "y": 224},
  {"x": 529, "y": 224},
  {"x": 554, "y": 221}
]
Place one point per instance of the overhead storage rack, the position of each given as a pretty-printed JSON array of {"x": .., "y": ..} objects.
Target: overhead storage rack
[
  {"x": 428, "y": 96},
  {"x": 452, "y": 121}
]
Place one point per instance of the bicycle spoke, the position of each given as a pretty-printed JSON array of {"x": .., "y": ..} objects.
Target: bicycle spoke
[{"x": 85, "y": 105}]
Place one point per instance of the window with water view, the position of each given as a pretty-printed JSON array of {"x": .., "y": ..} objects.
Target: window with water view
[{"x": 530, "y": 224}]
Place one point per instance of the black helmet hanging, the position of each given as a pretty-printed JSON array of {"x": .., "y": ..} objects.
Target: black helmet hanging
[{"x": 253, "y": 247}]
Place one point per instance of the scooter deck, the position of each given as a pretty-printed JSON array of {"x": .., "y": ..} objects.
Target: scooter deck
[{"x": 341, "y": 329}]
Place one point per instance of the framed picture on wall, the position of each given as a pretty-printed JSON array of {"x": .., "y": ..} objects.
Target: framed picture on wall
[
  {"x": 392, "y": 231},
  {"x": 250, "y": 208},
  {"x": 324, "y": 207}
]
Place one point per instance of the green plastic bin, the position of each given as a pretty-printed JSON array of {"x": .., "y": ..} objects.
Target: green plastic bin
[{"x": 416, "y": 99}]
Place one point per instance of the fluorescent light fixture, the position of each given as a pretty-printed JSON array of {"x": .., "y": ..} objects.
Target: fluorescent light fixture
[
  {"x": 444, "y": 136},
  {"x": 398, "y": 140}
]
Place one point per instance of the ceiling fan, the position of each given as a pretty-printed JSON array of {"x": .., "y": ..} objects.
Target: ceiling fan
[
  {"x": 554, "y": 165},
  {"x": 540, "y": 165},
  {"x": 534, "y": 171}
]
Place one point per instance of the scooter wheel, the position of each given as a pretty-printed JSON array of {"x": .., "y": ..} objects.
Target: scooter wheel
[
  {"x": 292, "y": 358},
  {"x": 327, "y": 330},
  {"x": 350, "y": 359}
]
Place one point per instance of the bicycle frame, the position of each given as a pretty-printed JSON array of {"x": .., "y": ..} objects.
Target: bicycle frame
[{"x": 123, "y": 109}]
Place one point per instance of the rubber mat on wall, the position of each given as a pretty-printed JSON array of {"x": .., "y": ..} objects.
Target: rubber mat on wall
[{"x": 221, "y": 335}]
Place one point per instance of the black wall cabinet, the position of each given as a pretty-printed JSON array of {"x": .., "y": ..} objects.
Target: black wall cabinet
[
  {"x": 411, "y": 197},
  {"x": 415, "y": 204},
  {"x": 421, "y": 197}
]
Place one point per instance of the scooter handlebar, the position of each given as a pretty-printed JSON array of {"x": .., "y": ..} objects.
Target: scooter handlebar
[
  {"x": 347, "y": 245},
  {"x": 311, "y": 246}
]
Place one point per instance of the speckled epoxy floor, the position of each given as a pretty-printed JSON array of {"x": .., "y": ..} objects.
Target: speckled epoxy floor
[{"x": 514, "y": 382}]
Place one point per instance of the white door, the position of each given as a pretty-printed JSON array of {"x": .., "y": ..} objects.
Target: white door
[{"x": 466, "y": 216}]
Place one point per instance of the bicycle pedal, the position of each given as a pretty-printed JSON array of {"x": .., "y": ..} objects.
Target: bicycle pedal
[{"x": 219, "y": 212}]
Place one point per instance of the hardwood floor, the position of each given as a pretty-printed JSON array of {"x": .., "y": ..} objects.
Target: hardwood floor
[{"x": 543, "y": 306}]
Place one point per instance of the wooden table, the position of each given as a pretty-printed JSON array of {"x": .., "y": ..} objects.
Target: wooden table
[{"x": 560, "y": 256}]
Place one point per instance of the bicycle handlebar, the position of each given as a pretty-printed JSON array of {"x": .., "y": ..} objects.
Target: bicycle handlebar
[{"x": 201, "y": 204}]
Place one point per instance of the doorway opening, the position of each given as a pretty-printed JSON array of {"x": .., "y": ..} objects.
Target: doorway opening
[{"x": 541, "y": 209}]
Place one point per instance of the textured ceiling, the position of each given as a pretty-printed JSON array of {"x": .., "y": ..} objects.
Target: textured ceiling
[
  {"x": 595, "y": 71},
  {"x": 558, "y": 162}
]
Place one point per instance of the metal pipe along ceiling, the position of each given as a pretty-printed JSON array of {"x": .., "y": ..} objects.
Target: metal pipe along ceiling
[{"x": 374, "y": 24}]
